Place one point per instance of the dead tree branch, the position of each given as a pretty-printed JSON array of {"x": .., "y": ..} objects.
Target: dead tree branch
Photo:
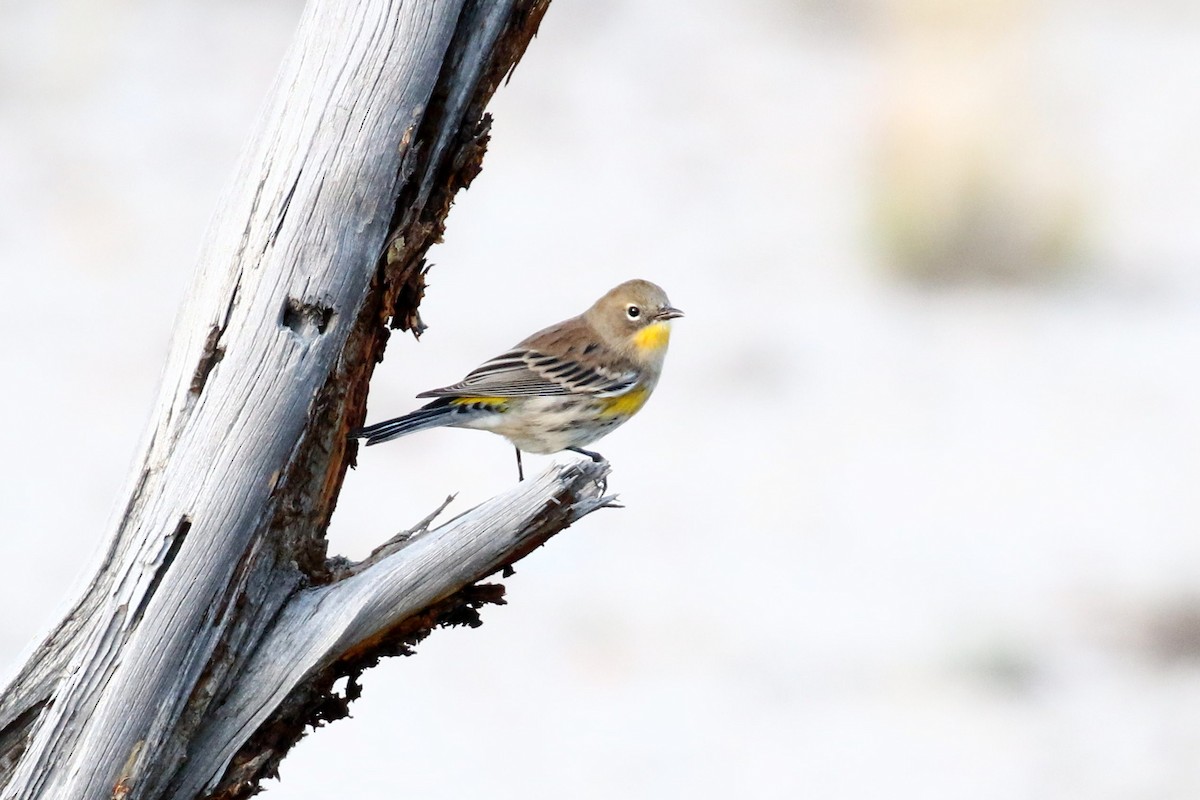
[{"x": 215, "y": 627}]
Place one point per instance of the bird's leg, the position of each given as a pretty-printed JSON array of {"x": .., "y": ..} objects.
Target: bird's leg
[
  {"x": 520, "y": 469},
  {"x": 588, "y": 453},
  {"x": 594, "y": 457}
]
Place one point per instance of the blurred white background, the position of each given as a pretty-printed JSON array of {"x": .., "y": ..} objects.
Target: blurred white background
[{"x": 913, "y": 512}]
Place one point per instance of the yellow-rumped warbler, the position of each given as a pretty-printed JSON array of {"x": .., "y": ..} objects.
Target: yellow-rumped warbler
[{"x": 563, "y": 387}]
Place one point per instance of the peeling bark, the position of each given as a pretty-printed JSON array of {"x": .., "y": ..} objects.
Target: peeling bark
[{"x": 216, "y": 628}]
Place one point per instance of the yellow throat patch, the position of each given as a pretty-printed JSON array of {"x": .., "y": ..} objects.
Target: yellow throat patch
[{"x": 653, "y": 337}]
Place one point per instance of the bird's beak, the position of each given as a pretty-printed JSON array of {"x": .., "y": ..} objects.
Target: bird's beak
[{"x": 666, "y": 313}]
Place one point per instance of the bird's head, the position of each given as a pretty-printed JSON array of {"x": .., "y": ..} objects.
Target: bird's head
[{"x": 635, "y": 318}]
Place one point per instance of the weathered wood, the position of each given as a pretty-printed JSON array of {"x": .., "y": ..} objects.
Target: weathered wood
[
  {"x": 343, "y": 620},
  {"x": 215, "y": 626}
]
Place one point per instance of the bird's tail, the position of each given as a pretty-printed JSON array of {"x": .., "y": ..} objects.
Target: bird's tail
[{"x": 434, "y": 415}]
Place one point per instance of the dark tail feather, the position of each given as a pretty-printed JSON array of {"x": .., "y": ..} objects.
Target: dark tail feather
[{"x": 431, "y": 416}]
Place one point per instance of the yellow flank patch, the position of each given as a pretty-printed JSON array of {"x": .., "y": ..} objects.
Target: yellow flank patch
[
  {"x": 653, "y": 337},
  {"x": 483, "y": 401},
  {"x": 627, "y": 404}
]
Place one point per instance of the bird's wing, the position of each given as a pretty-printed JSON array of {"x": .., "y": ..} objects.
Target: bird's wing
[{"x": 525, "y": 372}]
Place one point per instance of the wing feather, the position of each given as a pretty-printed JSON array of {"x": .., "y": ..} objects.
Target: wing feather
[{"x": 526, "y": 372}]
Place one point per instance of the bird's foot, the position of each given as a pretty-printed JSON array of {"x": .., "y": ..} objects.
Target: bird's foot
[
  {"x": 594, "y": 457},
  {"x": 590, "y": 454}
]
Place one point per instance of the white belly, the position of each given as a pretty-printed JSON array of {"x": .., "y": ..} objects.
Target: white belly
[{"x": 549, "y": 424}]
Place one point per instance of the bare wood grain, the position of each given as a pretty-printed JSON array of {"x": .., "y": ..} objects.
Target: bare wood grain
[
  {"x": 159, "y": 677},
  {"x": 325, "y": 624}
]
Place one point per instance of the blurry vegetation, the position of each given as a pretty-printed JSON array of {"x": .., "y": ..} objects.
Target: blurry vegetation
[
  {"x": 1172, "y": 632},
  {"x": 1002, "y": 666},
  {"x": 971, "y": 184},
  {"x": 966, "y": 222}
]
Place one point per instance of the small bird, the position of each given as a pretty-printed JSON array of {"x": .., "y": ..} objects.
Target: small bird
[{"x": 563, "y": 387}]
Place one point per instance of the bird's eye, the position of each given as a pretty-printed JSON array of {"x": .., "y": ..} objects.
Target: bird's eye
[{"x": 633, "y": 312}]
